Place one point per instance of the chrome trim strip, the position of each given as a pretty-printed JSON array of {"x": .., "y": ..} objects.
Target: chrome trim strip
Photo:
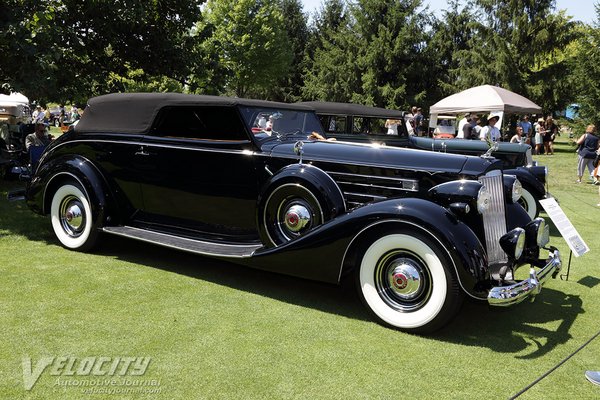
[
  {"x": 372, "y": 196},
  {"x": 377, "y": 186},
  {"x": 505, "y": 296},
  {"x": 373, "y": 177},
  {"x": 150, "y": 144},
  {"x": 417, "y": 226}
]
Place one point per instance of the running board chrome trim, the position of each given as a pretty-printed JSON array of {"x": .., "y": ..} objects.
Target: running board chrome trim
[{"x": 185, "y": 244}]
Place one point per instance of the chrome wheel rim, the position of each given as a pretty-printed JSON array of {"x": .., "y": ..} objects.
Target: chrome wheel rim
[
  {"x": 403, "y": 281},
  {"x": 72, "y": 216},
  {"x": 294, "y": 217}
]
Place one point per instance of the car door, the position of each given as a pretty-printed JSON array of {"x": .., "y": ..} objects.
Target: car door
[{"x": 201, "y": 174}]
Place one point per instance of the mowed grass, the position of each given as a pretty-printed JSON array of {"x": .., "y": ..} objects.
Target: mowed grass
[{"x": 215, "y": 330}]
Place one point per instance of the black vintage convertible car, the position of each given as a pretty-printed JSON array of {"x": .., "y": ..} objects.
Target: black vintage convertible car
[
  {"x": 358, "y": 123},
  {"x": 244, "y": 180}
]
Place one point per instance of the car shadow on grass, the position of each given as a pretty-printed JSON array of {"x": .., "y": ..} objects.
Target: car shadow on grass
[{"x": 530, "y": 329}]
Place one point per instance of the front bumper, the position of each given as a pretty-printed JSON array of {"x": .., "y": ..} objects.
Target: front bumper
[{"x": 528, "y": 288}]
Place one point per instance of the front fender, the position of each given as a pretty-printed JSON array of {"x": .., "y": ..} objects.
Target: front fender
[
  {"x": 529, "y": 181},
  {"x": 327, "y": 252}
]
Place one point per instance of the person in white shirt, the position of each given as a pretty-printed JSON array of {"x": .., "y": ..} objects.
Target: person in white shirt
[
  {"x": 490, "y": 133},
  {"x": 463, "y": 122}
]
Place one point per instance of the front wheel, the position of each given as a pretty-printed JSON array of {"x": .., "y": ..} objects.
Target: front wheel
[
  {"x": 406, "y": 282},
  {"x": 71, "y": 216}
]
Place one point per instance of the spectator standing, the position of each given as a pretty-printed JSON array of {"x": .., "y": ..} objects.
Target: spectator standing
[
  {"x": 74, "y": 114},
  {"x": 392, "y": 126},
  {"x": 462, "y": 122},
  {"x": 490, "y": 133},
  {"x": 540, "y": 130},
  {"x": 527, "y": 128},
  {"x": 467, "y": 130},
  {"x": 587, "y": 146},
  {"x": 551, "y": 131},
  {"x": 418, "y": 121}
]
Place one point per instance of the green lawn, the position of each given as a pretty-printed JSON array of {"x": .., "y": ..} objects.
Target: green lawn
[{"x": 216, "y": 330}]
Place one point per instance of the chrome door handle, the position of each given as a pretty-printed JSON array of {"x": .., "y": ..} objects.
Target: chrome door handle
[{"x": 142, "y": 152}]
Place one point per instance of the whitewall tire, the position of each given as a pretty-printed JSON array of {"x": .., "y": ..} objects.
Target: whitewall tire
[
  {"x": 406, "y": 282},
  {"x": 71, "y": 217},
  {"x": 528, "y": 202}
]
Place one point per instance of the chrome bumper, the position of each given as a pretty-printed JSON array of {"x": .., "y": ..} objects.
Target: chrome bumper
[{"x": 528, "y": 288}]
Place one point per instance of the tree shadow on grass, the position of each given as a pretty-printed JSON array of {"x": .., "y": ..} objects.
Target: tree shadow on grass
[{"x": 533, "y": 329}]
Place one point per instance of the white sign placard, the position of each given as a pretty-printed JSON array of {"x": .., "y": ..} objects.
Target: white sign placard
[{"x": 565, "y": 227}]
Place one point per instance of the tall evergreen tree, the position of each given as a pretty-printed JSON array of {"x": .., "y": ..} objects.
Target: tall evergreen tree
[{"x": 251, "y": 44}]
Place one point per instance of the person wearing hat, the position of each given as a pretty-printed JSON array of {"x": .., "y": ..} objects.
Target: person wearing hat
[{"x": 490, "y": 132}]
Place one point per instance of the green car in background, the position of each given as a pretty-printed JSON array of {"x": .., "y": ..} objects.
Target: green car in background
[{"x": 358, "y": 123}]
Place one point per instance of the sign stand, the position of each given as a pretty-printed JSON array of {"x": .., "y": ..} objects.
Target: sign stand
[
  {"x": 566, "y": 229},
  {"x": 566, "y": 276}
]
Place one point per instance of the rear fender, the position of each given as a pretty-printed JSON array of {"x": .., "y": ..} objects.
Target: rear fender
[{"x": 54, "y": 173}]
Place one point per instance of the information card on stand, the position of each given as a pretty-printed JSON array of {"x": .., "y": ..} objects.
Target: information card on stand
[{"x": 565, "y": 227}]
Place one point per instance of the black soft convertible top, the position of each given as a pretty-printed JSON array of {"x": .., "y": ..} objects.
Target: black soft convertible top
[
  {"x": 358, "y": 110},
  {"x": 135, "y": 112}
]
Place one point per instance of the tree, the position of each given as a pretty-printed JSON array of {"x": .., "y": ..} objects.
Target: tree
[
  {"x": 374, "y": 57},
  {"x": 71, "y": 49},
  {"x": 289, "y": 87},
  {"x": 250, "y": 43},
  {"x": 517, "y": 45}
]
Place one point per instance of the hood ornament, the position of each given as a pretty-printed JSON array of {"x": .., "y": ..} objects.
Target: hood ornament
[
  {"x": 299, "y": 149},
  {"x": 493, "y": 147}
]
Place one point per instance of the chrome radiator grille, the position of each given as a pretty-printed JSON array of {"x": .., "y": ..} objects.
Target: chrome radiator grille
[{"x": 494, "y": 219}]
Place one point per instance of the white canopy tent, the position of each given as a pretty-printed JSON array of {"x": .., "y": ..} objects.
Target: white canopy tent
[{"x": 483, "y": 99}]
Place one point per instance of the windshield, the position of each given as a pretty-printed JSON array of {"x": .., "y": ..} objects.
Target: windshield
[{"x": 266, "y": 122}]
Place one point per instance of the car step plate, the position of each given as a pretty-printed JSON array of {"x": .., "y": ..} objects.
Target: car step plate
[{"x": 185, "y": 244}]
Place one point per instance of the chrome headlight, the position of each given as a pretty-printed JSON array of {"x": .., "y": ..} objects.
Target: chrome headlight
[
  {"x": 517, "y": 191},
  {"x": 483, "y": 200},
  {"x": 538, "y": 233},
  {"x": 513, "y": 243}
]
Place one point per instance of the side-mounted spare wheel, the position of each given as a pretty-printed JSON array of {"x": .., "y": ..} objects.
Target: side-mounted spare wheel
[
  {"x": 529, "y": 203},
  {"x": 296, "y": 201},
  {"x": 71, "y": 216},
  {"x": 407, "y": 281}
]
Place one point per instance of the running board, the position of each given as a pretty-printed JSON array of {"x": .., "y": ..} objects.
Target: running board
[
  {"x": 16, "y": 195},
  {"x": 185, "y": 244}
]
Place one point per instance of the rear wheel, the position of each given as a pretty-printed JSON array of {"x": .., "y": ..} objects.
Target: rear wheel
[
  {"x": 406, "y": 280},
  {"x": 71, "y": 216}
]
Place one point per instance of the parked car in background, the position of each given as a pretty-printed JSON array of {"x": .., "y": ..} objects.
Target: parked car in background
[
  {"x": 416, "y": 231},
  {"x": 363, "y": 124}
]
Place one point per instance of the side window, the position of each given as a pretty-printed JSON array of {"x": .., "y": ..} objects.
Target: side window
[
  {"x": 333, "y": 123},
  {"x": 360, "y": 125},
  {"x": 203, "y": 123},
  {"x": 378, "y": 126}
]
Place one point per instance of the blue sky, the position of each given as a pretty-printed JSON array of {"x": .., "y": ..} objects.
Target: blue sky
[{"x": 582, "y": 10}]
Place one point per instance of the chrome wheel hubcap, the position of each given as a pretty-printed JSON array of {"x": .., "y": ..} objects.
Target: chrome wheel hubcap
[
  {"x": 403, "y": 281},
  {"x": 405, "y": 278},
  {"x": 72, "y": 216},
  {"x": 296, "y": 218}
]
